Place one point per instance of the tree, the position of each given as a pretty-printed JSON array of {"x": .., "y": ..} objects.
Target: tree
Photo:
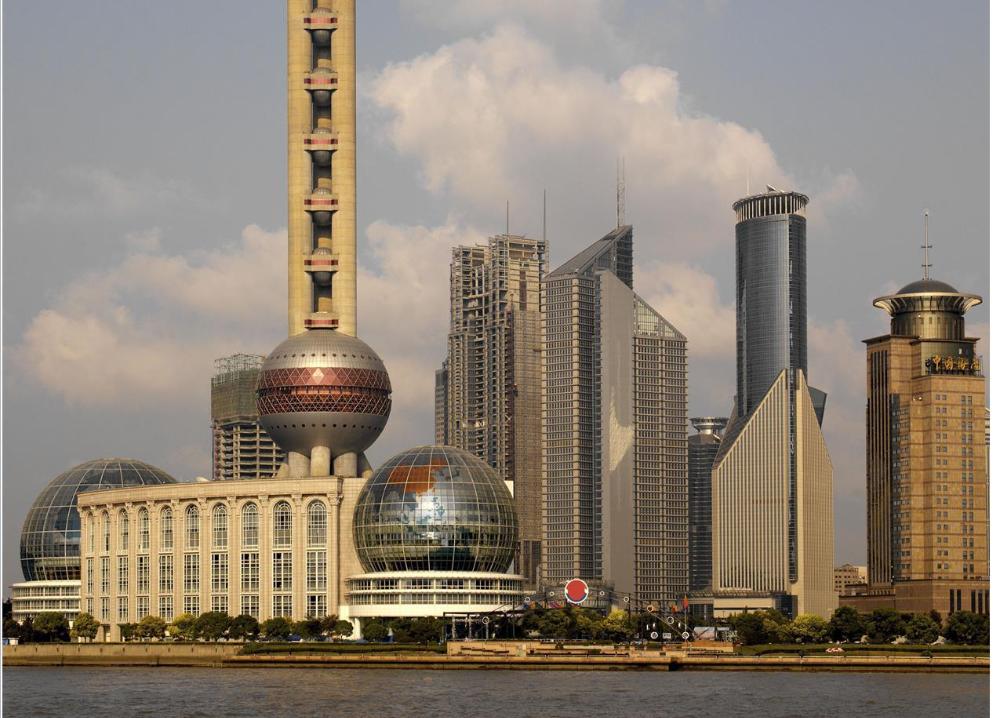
[
  {"x": 617, "y": 626},
  {"x": 151, "y": 627},
  {"x": 921, "y": 628},
  {"x": 85, "y": 626},
  {"x": 342, "y": 629},
  {"x": 967, "y": 627},
  {"x": 278, "y": 628},
  {"x": 211, "y": 625},
  {"x": 374, "y": 630},
  {"x": 809, "y": 628},
  {"x": 244, "y": 628},
  {"x": 749, "y": 628},
  {"x": 27, "y": 632},
  {"x": 8, "y": 609},
  {"x": 51, "y": 627},
  {"x": 308, "y": 629},
  {"x": 885, "y": 625},
  {"x": 183, "y": 627},
  {"x": 11, "y": 628},
  {"x": 846, "y": 624},
  {"x": 128, "y": 631},
  {"x": 936, "y": 617}
]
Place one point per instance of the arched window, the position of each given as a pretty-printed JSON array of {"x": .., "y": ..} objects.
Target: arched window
[
  {"x": 191, "y": 526},
  {"x": 143, "y": 530},
  {"x": 123, "y": 530},
  {"x": 106, "y": 531},
  {"x": 91, "y": 530},
  {"x": 282, "y": 524},
  {"x": 220, "y": 527},
  {"x": 251, "y": 525},
  {"x": 316, "y": 516},
  {"x": 166, "y": 529}
]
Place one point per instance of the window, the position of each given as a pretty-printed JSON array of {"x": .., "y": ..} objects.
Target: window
[
  {"x": 191, "y": 569},
  {"x": 220, "y": 527},
  {"x": 167, "y": 608},
  {"x": 90, "y": 575},
  {"x": 123, "y": 609},
  {"x": 166, "y": 529},
  {"x": 220, "y": 573},
  {"x": 316, "y": 605},
  {"x": 282, "y": 571},
  {"x": 142, "y": 577},
  {"x": 123, "y": 574},
  {"x": 122, "y": 530},
  {"x": 105, "y": 609},
  {"x": 90, "y": 532},
  {"x": 251, "y": 524},
  {"x": 106, "y": 531},
  {"x": 282, "y": 525},
  {"x": 191, "y": 526},
  {"x": 220, "y": 603},
  {"x": 282, "y": 606},
  {"x": 250, "y": 572},
  {"x": 250, "y": 606},
  {"x": 316, "y": 570},
  {"x": 166, "y": 573},
  {"x": 192, "y": 605},
  {"x": 316, "y": 534},
  {"x": 143, "y": 530},
  {"x": 141, "y": 607}
]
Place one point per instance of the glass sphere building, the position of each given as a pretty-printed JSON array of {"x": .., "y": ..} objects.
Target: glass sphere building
[
  {"x": 435, "y": 508},
  {"x": 50, "y": 538}
]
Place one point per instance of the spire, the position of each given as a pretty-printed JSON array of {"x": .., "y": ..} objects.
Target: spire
[{"x": 927, "y": 246}]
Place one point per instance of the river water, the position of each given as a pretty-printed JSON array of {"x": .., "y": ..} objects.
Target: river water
[{"x": 304, "y": 692}]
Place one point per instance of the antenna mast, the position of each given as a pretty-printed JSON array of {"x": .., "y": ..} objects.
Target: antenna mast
[
  {"x": 927, "y": 245},
  {"x": 621, "y": 191}
]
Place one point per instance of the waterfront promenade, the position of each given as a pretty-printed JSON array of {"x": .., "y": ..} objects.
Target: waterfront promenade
[{"x": 521, "y": 655}]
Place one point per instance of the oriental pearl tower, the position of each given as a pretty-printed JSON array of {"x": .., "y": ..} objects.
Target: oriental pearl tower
[{"x": 323, "y": 394}]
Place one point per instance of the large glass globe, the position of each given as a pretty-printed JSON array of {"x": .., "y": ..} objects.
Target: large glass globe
[
  {"x": 435, "y": 508},
  {"x": 50, "y": 538}
]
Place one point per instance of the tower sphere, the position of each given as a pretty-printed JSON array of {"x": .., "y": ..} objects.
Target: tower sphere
[
  {"x": 435, "y": 508},
  {"x": 50, "y": 538},
  {"x": 323, "y": 388}
]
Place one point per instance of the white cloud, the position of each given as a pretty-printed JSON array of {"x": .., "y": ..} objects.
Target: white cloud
[
  {"x": 146, "y": 331},
  {"x": 577, "y": 16}
]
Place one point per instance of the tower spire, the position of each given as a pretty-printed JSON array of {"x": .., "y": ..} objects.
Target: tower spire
[{"x": 927, "y": 246}]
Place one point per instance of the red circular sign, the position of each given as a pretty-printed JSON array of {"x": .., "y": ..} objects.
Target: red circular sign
[{"x": 576, "y": 590}]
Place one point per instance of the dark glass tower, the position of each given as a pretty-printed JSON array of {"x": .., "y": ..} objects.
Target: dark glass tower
[
  {"x": 770, "y": 292},
  {"x": 702, "y": 448}
]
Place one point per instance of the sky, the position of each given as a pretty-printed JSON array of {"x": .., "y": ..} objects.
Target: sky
[{"x": 144, "y": 205}]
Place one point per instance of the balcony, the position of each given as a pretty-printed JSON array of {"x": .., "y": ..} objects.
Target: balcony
[
  {"x": 321, "y": 145},
  {"x": 321, "y": 206},
  {"x": 321, "y": 320},
  {"x": 319, "y": 20}
]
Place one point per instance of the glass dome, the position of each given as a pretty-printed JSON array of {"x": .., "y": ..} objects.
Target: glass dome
[
  {"x": 50, "y": 538},
  {"x": 435, "y": 508}
]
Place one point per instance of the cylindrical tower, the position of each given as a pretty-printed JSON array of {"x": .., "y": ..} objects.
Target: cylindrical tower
[
  {"x": 928, "y": 309},
  {"x": 770, "y": 292},
  {"x": 322, "y": 240}
]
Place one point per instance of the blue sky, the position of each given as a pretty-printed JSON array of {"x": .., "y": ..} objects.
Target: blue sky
[{"x": 144, "y": 191}]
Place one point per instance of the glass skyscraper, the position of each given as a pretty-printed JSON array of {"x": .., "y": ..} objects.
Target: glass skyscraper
[{"x": 702, "y": 449}]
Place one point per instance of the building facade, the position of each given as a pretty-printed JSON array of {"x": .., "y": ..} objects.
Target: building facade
[
  {"x": 487, "y": 395},
  {"x": 614, "y": 416},
  {"x": 702, "y": 449},
  {"x": 848, "y": 575},
  {"x": 241, "y": 449},
  {"x": 441, "y": 436},
  {"x": 773, "y": 459},
  {"x": 927, "y": 487}
]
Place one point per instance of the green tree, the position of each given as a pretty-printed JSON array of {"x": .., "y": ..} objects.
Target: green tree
[
  {"x": 885, "y": 625},
  {"x": 278, "y": 628},
  {"x": 921, "y": 628},
  {"x": 374, "y": 630},
  {"x": 11, "y": 628},
  {"x": 27, "y": 632},
  {"x": 127, "y": 631},
  {"x": 846, "y": 624},
  {"x": 244, "y": 628},
  {"x": 51, "y": 627},
  {"x": 8, "y": 609},
  {"x": 151, "y": 627},
  {"x": 211, "y": 625},
  {"x": 182, "y": 628},
  {"x": 85, "y": 626},
  {"x": 617, "y": 626},
  {"x": 967, "y": 627},
  {"x": 936, "y": 617},
  {"x": 809, "y": 628},
  {"x": 308, "y": 629},
  {"x": 340, "y": 629}
]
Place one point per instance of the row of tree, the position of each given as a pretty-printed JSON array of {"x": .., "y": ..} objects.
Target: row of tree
[{"x": 883, "y": 625}]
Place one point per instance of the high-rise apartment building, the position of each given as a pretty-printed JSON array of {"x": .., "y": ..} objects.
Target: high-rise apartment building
[
  {"x": 702, "y": 449},
  {"x": 848, "y": 575},
  {"x": 614, "y": 439},
  {"x": 241, "y": 449},
  {"x": 927, "y": 489},
  {"x": 489, "y": 390},
  {"x": 772, "y": 482}
]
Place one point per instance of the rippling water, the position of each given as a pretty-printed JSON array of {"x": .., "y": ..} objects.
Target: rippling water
[{"x": 303, "y": 692}]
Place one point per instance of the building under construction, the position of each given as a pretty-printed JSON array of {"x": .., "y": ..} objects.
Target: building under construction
[{"x": 241, "y": 449}]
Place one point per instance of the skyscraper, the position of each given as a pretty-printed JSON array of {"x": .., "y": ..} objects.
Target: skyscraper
[
  {"x": 614, "y": 412},
  {"x": 322, "y": 241},
  {"x": 441, "y": 437},
  {"x": 241, "y": 449},
  {"x": 490, "y": 386},
  {"x": 772, "y": 493},
  {"x": 703, "y": 445},
  {"x": 927, "y": 489}
]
